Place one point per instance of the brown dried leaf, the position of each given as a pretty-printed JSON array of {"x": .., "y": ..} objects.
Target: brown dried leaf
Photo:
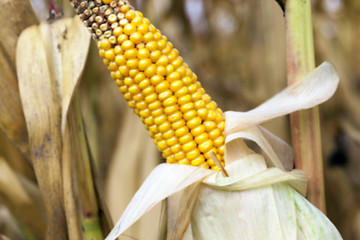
[
  {"x": 50, "y": 58},
  {"x": 15, "y": 16},
  {"x": 42, "y": 111},
  {"x": 22, "y": 198}
]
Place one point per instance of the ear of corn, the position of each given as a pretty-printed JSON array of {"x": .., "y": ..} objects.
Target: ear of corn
[{"x": 183, "y": 120}]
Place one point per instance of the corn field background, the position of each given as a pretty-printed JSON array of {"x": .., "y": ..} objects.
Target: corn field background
[{"x": 238, "y": 50}]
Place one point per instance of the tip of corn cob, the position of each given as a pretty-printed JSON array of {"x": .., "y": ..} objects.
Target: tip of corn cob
[{"x": 183, "y": 120}]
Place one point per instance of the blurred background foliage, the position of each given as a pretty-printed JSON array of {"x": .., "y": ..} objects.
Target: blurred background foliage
[{"x": 237, "y": 49}]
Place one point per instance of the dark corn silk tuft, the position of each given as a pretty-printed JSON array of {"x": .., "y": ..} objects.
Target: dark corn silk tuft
[{"x": 183, "y": 120}]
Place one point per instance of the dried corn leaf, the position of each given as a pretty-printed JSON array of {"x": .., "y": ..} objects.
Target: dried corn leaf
[
  {"x": 50, "y": 58},
  {"x": 15, "y": 16},
  {"x": 22, "y": 199},
  {"x": 315, "y": 88},
  {"x": 129, "y": 170}
]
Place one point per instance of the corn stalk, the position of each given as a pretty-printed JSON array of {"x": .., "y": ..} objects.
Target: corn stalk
[{"x": 305, "y": 125}]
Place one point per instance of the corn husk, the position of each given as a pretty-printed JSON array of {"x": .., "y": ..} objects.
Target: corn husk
[{"x": 260, "y": 199}]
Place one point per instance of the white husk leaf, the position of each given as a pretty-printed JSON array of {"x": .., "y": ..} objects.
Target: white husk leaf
[
  {"x": 255, "y": 202},
  {"x": 279, "y": 152},
  {"x": 315, "y": 88},
  {"x": 163, "y": 181}
]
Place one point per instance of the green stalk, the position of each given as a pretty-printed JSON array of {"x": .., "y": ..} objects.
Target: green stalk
[{"x": 305, "y": 125}]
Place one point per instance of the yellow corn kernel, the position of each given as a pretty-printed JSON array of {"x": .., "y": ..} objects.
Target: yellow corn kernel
[
  {"x": 187, "y": 107},
  {"x": 186, "y": 138},
  {"x": 218, "y": 142},
  {"x": 165, "y": 127},
  {"x": 144, "y": 64},
  {"x": 149, "y": 121},
  {"x": 144, "y": 84},
  {"x": 193, "y": 123},
  {"x": 165, "y": 95},
  {"x": 182, "y": 92},
  {"x": 145, "y": 113},
  {"x": 184, "y": 99},
  {"x": 151, "y": 98},
  {"x": 110, "y": 54},
  {"x": 176, "y": 85},
  {"x": 155, "y": 105},
  {"x": 178, "y": 124},
  {"x": 134, "y": 89},
  {"x": 157, "y": 112},
  {"x": 171, "y": 159},
  {"x": 205, "y": 146},
  {"x": 187, "y": 147},
  {"x": 221, "y": 150},
  {"x": 203, "y": 113},
  {"x": 161, "y": 87},
  {"x": 104, "y": 44},
  {"x": 173, "y": 76},
  {"x": 176, "y": 148},
  {"x": 141, "y": 105},
  {"x": 190, "y": 115},
  {"x": 138, "y": 97},
  {"x": 209, "y": 125},
  {"x": 149, "y": 90},
  {"x": 155, "y": 55},
  {"x": 169, "y": 134},
  {"x": 200, "y": 138},
  {"x": 170, "y": 101},
  {"x": 160, "y": 119},
  {"x": 175, "y": 117},
  {"x": 179, "y": 155},
  {"x": 130, "y": 15},
  {"x": 184, "y": 162},
  {"x": 214, "y": 134},
  {"x": 150, "y": 71},
  {"x": 155, "y": 80},
  {"x": 172, "y": 141},
  {"x": 198, "y": 161},
  {"x": 171, "y": 109},
  {"x": 198, "y": 130},
  {"x": 162, "y": 145},
  {"x": 193, "y": 154},
  {"x": 181, "y": 131}
]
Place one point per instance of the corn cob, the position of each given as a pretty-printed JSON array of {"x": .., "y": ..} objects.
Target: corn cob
[{"x": 183, "y": 120}]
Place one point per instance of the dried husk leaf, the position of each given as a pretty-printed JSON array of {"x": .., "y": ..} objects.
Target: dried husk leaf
[
  {"x": 270, "y": 144},
  {"x": 50, "y": 58},
  {"x": 315, "y": 88},
  {"x": 271, "y": 212},
  {"x": 163, "y": 181},
  {"x": 179, "y": 220},
  {"x": 252, "y": 172}
]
